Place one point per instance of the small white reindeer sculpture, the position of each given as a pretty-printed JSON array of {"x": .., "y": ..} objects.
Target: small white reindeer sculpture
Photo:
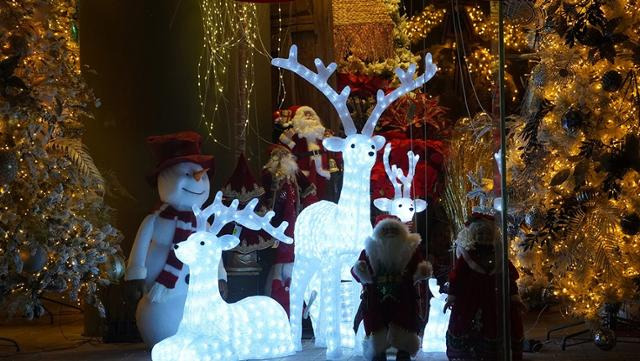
[
  {"x": 402, "y": 205},
  {"x": 329, "y": 235},
  {"x": 211, "y": 329}
]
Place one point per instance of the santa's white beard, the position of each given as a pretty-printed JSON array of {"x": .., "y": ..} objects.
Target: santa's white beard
[
  {"x": 285, "y": 166},
  {"x": 308, "y": 127}
]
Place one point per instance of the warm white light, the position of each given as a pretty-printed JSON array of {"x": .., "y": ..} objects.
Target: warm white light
[
  {"x": 434, "y": 339},
  {"x": 402, "y": 205},
  {"x": 330, "y": 236},
  {"x": 211, "y": 329}
]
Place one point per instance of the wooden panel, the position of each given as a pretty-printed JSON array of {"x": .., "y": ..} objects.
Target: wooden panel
[{"x": 306, "y": 23}]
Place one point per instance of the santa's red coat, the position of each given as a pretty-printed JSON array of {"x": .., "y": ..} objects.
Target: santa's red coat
[{"x": 400, "y": 309}]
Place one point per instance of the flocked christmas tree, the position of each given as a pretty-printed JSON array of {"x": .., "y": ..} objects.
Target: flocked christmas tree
[
  {"x": 54, "y": 230},
  {"x": 574, "y": 158}
]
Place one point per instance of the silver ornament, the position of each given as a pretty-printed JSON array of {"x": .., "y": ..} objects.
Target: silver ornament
[
  {"x": 33, "y": 260},
  {"x": 604, "y": 338},
  {"x": 534, "y": 219}
]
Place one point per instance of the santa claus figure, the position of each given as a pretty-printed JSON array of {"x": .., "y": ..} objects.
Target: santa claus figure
[
  {"x": 153, "y": 271},
  {"x": 472, "y": 296},
  {"x": 304, "y": 138},
  {"x": 288, "y": 192},
  {"x": 388, "y": 269}
]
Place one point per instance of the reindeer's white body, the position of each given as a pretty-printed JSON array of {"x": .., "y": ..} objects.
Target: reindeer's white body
[
  {"x": 330, "y": 235},
  {"x": 211, "y": 329},
  {"x": 435, "y": 332}
]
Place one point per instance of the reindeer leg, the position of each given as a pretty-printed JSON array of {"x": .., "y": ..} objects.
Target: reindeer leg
[
  {"x": 303, "y": 269},
  {"x": 331, "y": 307}
]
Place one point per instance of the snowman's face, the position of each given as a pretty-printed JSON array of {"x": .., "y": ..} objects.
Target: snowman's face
[{"x": 184, "y": 185}]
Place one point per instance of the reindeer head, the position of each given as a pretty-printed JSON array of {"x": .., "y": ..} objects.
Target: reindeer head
[
  {"x": 203, "y": 249},
  {"x": 402, "y": 205},
  {"x": 358, "y": 149}
]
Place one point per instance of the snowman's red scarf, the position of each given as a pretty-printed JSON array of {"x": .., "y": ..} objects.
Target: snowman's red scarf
[{"x": 167, "y": 277}]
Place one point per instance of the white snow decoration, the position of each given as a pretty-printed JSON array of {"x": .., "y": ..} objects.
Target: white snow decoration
[
  {"x": 211, "y": 329},
  {"x": 402, "y": 205},
  {"x": 434, "y": 339},
  {"x": 330, "y": 235}
]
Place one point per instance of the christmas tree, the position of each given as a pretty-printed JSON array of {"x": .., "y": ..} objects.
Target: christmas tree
[
  {"x": 55, "y": 234},
  {"x": 574, "y": 157}
]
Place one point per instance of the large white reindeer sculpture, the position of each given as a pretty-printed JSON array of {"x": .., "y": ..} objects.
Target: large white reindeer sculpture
[
  {"x": 402, "y": 205},
  {"x": 211, "y": 329},
  {"x": 329, "y": 235}
]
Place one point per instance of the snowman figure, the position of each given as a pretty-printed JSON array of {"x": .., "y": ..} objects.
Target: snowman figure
[{"x": 153, "y": 269}]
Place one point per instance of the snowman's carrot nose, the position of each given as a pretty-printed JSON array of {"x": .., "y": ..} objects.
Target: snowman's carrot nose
[{"x": 197, "y": 175}]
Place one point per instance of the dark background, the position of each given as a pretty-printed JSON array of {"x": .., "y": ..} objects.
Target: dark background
[{"x": 140, "y": 57}]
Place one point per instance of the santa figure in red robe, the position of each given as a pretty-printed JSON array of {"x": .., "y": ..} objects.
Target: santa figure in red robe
[
  {"x": 304, "y": 138},
  {"x": 388, "y": 269},
  {"x": 473, "y": 296},
  {"x": 288, "y": 191}
]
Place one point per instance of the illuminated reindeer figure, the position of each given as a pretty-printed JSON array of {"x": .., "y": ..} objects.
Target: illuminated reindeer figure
[
  {"x": 402, "y": 205},
  {"x": 329, "y": 235},
  {"x": 212, "y": 329}
]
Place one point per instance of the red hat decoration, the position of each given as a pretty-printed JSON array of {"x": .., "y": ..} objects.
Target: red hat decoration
[
  {"x": 242, "y": 184},
  {"x": 171, "y": 149}
]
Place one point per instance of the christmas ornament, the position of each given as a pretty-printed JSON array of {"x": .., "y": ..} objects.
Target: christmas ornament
[
  {"x": 611, "y": 81},
  {"x": 572, "y": 119},
  {"x": 330, "y": 234},
  {"x": 539, "y": 75},
  {"x": 74, "y": 31},
  {"x": 534, "y": 219},
  {"x": 33, "y": 260},
  {"x": 8, "y": 166},
  {"x": 113, "y": 268},
  {"x": 630, "y": 224},
  {"x": 604, "y": 338},
  {"x": 253, "y": 328}
]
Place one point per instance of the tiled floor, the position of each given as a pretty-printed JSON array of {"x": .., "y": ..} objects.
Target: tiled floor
[{"x": 63, "y": 341}]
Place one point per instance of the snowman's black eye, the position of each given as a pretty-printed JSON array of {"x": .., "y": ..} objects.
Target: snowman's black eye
[
  {"x": 202, "y": 243},
  {"x": 373, "y": 146},
  {"x": 353, "y": 145},
  {"x": 187, "y": 174},
  {"x": 399, "y": 205}
]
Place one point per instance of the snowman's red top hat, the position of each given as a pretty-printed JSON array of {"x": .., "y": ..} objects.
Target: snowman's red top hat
[{"x": 171, "y": 149}]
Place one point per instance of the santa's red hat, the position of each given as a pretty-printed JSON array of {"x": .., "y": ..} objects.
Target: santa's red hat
[
  {"x": 242, "y": 185},
  {"x": 171, "y": 149},
  {"x": 293, "y": 109}
]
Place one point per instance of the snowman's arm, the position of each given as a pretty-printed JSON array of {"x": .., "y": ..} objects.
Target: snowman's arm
[{"x": 136, "y": 268}]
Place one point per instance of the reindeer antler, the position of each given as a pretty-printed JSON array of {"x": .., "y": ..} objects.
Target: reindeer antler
[
  {"x": 392, "y": 172},
  {"x": 407, "y": 84},
  {"x": 319, "y": 80},
  {"x": 411, "y": 172},
  {"x": 246, "y": 217}
]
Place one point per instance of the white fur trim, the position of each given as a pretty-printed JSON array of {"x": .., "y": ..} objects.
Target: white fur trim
[
  {"x": 374, "y": 344},
  {"x": 423, "y": 271},
  {"x": 403, "y": 339},
  {"x": 136, "y": 273},
  {"x": 361, "y": 270},
  {"x": 391, "y": 252},
  {"x": 158, "y": 293}
]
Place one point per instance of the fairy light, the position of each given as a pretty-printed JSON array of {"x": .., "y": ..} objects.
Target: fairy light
[
  {"x": 419, "y": 26},
  {"x": 211, "y": 329}
]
